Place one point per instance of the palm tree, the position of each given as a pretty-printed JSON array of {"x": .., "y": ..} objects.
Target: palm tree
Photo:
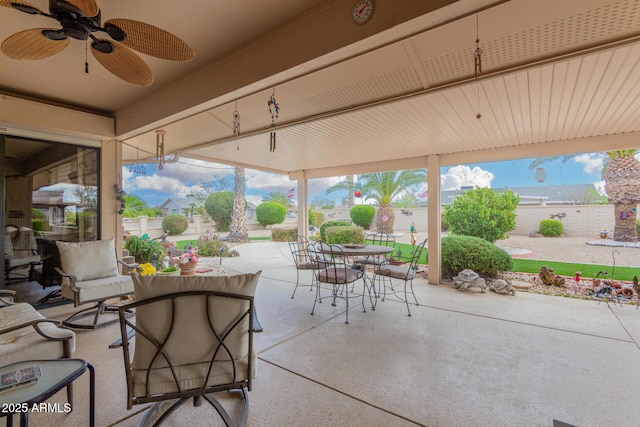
[
  {"x": 383, "y": 187},
  {"x": 238, "y": 232},
  {"x": 279, "y": 197},
  {"x": 348, "y": 184},
  {"x": 621, "y": 174}
]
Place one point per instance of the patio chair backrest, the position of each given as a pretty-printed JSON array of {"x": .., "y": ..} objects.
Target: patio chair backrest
[
  {"x": 380, "y": 238},
  {"x": 194, "y": 335},
  {"x": 299, "y": 246}
]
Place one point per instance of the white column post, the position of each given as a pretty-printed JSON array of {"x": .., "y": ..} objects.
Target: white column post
[{"x": 433, "y": 229}]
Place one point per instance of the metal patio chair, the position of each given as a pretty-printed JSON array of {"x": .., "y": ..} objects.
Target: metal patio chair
[{"x": 404, "y": 272}]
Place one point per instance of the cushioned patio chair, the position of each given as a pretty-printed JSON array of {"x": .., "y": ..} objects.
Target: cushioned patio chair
[
  {"x": 337, "y": 274},
  {"x": 299, "y": 247},
  {"x": 27, "y": 335},
  {"x": 90, "y": 273},
  {"x": 20, "y": 251},
  {"x": 193, "y": 338},
  {"x": 405, "y": 272}
]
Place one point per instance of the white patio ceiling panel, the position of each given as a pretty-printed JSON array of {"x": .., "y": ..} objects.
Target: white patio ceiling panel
[{"x": 588, "y": 96}]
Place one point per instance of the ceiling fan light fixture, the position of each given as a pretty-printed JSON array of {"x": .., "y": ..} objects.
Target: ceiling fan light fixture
[
  {"x": 115, "y": 32},
  {"x": 102, "y": 46},
  {"x": 54, "y": 34}
]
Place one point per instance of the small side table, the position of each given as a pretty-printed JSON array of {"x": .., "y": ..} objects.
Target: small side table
[{"x": 56, "y": 374}]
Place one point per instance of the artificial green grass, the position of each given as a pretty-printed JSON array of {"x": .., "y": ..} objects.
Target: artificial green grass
[
  {"x": 569, "y": 269},
  {"x": 181, "y": 244}
]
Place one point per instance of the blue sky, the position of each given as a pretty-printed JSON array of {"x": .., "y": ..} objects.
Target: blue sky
[{"x": 179, "y": 179}]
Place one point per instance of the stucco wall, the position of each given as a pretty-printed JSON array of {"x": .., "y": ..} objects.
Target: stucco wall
[{"x": 579, "y": 220}]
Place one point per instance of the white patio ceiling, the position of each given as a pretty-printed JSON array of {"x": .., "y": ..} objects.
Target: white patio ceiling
[{"x": 564, "y": 75}]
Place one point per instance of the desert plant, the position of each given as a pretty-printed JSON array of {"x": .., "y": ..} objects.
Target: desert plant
[
  {"x": 362, "y": 215},
  {"x": 175, "y": 224},
  {"x": 551, "y": 227},
  {"x": 326, "y": 225},
  {"x": 144, "y": 249},
  {"x": 484, "y": 213},
  {"x": 344, "y": 234},
  {"x": 269, "y": 213},
  {"x": 208, "y": 236},
  {"x": 212, "y": 248},
  {"x": 219, "y": 207},
  {"x": 486, "y": 259}
]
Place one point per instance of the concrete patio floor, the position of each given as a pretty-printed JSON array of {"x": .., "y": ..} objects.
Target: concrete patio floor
[{"x": 462, "y": 359}]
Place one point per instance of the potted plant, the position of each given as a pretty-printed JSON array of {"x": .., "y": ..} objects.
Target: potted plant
[{"x": 188, "y": 262}]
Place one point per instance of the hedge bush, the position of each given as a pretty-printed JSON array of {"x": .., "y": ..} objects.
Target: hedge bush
[
  {"x": 175, "y": 224},
  {"x": 324, "y": 226},
  {"x": 269, "y": 213},
  {"x": 486, "y": 259},
  {"x": 362, "y": 215},
  {"x": 551, "y": 227},
  {"x": 482, "y": 212},
  {"x": 212, "y": 248},
  {"x": 219, "y": 207},
  {"x": 283, "y": 234},
  {"x": 344, "y": 234}
]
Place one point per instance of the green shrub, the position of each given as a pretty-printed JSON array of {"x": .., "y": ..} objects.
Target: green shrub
[
  {"x": 362, "y": 215},
  {"x": 486, "y": 259},
  {"x": 175, "y": 224},
  {"x": 326, "y": 225},
  {"x": 269, "y": 213},
  {"x": 483, "y": 213},
  {"x": 551, "y": 227},
  {"x": 344, "y": 234},
  {"x": 144, "y": 249},
  {"x": 316, "y": 218},
  {"x": 212, "y": 248},
  {"x": 219, "y": 207},
  {"x": 283, "y": 234},
  {"x": 38, "y": 226}
]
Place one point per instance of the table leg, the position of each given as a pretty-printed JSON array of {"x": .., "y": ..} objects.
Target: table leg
[
  {"x": 24, "y": 419},
  {"x": 9, "y": 420},
  {"x": 92, "y": 395}
]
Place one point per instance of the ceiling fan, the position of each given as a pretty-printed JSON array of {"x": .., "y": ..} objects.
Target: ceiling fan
[{"x": 79, "y": 19}]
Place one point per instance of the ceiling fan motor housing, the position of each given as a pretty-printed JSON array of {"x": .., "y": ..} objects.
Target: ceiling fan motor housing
[{"x": 74, "y": 23}]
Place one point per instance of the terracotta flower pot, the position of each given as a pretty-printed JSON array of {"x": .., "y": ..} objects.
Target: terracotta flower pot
[{"x": 188, "y": 268}]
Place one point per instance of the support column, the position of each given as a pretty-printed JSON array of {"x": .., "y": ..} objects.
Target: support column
[
  {"x": 303, "y": 212},
  {"x": 434, "y": 219},
  {"x": 110, "y": 175}
]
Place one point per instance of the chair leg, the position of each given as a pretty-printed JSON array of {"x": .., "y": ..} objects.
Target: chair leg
[
  {"x": 74, "y": 321},
  {"x": 297, "y": 281}
]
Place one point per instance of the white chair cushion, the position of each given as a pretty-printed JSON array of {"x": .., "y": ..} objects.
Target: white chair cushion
[
  {"x": 98, "y": 289},
  {"x": 88, "y": 260},
  {"x": 26, "y": 343},
  {"x": 188, "y": 347}
]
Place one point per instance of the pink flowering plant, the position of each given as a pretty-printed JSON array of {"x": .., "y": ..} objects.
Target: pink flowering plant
[{"x": 189, "y": 256}]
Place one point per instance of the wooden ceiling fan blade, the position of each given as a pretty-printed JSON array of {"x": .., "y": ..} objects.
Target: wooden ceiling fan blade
[
  {"x": 152, "y": 40},
  {"x": 7, "y": 3},
  {"x": 88, "y": 7},
  {"x": 125, "y": 64},
  {"x": 31, "y": 44}
]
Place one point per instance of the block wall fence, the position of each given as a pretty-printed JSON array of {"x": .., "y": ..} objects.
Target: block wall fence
[{"x": 578, "y": 220}]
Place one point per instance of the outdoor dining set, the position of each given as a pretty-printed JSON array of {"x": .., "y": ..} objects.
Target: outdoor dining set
[{"x": 338, "y": 268}]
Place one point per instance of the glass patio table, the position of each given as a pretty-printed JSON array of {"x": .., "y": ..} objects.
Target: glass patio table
[{"x": 56, "y": 374}]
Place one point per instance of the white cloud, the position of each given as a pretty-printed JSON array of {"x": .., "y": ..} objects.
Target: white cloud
[
  {"x": 268, "y": 181},
  {"x": 461, "y": 175},
  {"x": 593, "y": 163}
]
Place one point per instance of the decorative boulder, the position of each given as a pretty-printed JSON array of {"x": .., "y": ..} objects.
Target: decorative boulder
[
  {"x": 467, "y": 278},
  {"x": 501, "y": 286}
]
